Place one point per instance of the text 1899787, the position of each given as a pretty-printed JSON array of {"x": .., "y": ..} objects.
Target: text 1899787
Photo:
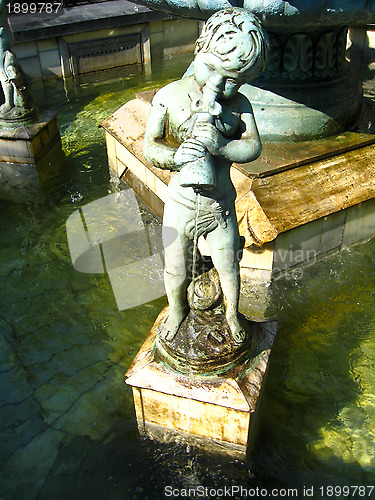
[{"x": 34, "y": 8}]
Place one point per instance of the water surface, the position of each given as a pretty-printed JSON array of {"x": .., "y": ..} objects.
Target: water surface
[{"x": 67, "y": 422}]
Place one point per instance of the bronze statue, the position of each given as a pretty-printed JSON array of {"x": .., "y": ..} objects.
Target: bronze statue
[
  {"x": 197, "y": 127},
  {"x": 19, "y": 106}
]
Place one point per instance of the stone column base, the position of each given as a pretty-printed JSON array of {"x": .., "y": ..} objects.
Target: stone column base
[
  {"x": 30, "y": 159},
  {"x": 214, "y": 411}
]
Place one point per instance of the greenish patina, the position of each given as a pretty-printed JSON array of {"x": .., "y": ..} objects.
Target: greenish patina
[
  {"x": 19, "y": 107},
  {"x": 197, "y": 127}
]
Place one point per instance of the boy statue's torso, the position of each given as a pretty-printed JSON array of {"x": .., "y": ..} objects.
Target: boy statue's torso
[
  {"x": 181, "y": 118},
  {"x": 179, "y": 124}
]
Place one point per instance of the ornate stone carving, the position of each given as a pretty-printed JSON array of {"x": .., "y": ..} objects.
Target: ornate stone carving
[
  {"x": 298, "y": 57},
  {"x": 341, "y": 47},
  {"x": 274, "y": 59},
  {"x": 325, "y": 55},
  {"x": 302, "y": 56}
]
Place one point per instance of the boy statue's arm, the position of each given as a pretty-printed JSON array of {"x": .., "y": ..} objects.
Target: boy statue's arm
[{"x": 156, "y": 150}]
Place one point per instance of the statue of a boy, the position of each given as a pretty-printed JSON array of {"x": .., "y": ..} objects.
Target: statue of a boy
[
  {"x": 18, "y": 103},
  {"x": 197, "y": 127},
  {"x": 6, "y": 42}
]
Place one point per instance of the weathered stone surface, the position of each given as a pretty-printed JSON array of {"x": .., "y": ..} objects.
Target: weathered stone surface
[
  {"x": 8, "y": 356},
  {"x": 30, "y": 159},
  {"x": 203, "y": 344},
  {"x": 100, "y": 402},
  {"x": 60, "y": 393},
  {"x": 15, "y": 415},
  {"x": 217, "y": 408},
  {"x": 16, "y": 436}
]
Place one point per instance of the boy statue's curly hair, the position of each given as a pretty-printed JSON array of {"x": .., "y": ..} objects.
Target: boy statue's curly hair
[{"x": 238, "y": 39}]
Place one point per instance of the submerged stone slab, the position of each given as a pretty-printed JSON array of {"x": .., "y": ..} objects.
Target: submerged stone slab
[{"x": 215, "y": 410}]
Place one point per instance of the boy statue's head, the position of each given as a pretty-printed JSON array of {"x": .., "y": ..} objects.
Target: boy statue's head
[{"x": 236, "y": 38}]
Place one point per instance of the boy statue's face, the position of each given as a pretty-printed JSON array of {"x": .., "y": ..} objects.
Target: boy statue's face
[{"x": 208, "y": 66}]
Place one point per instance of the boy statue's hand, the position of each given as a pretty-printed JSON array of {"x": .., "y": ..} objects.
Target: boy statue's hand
[
  {"x": 208, "y": 135},
  {"x": 190, "y": 150}
]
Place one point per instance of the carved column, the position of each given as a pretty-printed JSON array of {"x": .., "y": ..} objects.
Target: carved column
[{"x": 308, "y": 89}]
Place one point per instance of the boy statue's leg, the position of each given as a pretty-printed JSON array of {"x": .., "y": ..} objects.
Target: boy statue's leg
[
  {"x": 8, "y": 94},
  {"x": 176, "y": 288},
  {"x": 177, "y": 273},
  {"x": 225, "y": 246}
]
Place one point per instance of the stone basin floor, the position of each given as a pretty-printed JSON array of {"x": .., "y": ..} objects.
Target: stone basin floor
[{"x": 67, "y": 423}]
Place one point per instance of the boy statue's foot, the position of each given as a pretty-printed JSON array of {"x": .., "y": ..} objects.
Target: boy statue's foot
[
  {"x": 5, "y": 108},
  {"x": 237, "y": 332},
  {"x": 169, "y": 328}
]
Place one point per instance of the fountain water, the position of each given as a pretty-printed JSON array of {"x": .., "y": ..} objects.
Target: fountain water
[
  {"x": 195, "y": 247},
  {"x": 65, "y": 347}
]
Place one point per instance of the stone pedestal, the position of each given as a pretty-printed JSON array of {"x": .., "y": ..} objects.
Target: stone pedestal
[
  {"x": 214, "y": 412},
  {"x": 30, "y": 159}
]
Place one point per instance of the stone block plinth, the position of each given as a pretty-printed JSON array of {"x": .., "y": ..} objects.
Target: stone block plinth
[
  {"x": 214, "y": 411},
  {"x": 30, "y": 159}
]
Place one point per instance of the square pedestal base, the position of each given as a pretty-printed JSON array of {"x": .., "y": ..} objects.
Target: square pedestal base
[
  {"x": 30, "y": 159},
  {"x": 217, "y": 410}
]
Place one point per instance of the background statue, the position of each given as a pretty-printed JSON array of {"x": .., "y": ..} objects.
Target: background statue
[
  {"x": 19, "y": 105},
  {"x": 197, "y": 127}
]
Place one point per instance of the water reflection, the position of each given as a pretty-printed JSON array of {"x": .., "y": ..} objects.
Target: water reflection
[{"x": 66, "y": 416}]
